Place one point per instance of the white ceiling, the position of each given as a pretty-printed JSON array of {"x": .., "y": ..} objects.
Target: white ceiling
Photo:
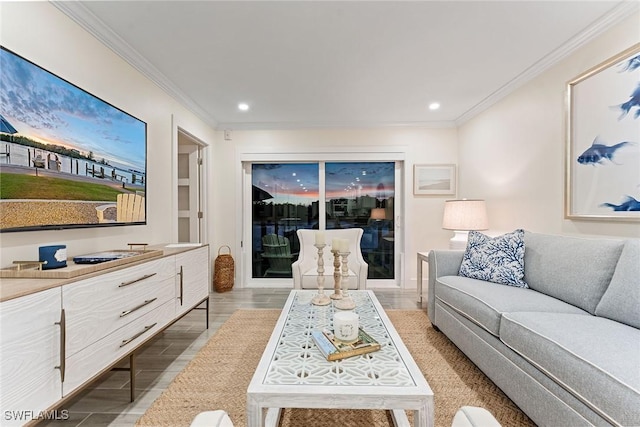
[{"x": 343, "y": 63}]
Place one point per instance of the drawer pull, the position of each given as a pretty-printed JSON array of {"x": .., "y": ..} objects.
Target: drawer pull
[
  {"x": 138, "y": 307},
  {"x": 63, "y": 344},
  {"x": 146, "y": 276},
  {"x": 181, "y": 274},
  {"x": 146, "y": 328}
]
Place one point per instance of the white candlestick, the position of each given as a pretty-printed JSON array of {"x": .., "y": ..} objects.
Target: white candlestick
[
  {"x": 335, "y": 244},
  {"x": 346, "y": 303},
  {"x": 337, "y": 293},
  {"x": 320, "y": 298},
  {"x": 319, "y": 237},
  {"x": 344, "y": 245}
]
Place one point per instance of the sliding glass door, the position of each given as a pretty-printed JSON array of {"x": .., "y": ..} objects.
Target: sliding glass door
[
  {"x": 286, "y": 197},
  {"x": 361, "y": 194}
]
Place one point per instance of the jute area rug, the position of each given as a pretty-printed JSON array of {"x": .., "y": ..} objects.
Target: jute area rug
[{"x": 218, "y": 377}]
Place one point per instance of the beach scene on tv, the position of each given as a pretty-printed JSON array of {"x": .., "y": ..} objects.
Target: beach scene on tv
[{"x": 67, "y": 158}]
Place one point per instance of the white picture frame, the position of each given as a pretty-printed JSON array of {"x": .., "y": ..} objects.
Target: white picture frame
[{"x": 434, "y": 179}]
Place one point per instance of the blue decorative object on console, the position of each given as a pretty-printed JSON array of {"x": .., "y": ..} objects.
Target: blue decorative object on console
[
  {"x": 498, "y": 259},
  {"x": 54, "y": 256}
]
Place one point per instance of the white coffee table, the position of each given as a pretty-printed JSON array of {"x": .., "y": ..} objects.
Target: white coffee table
[{"x": 292, "y": 372}]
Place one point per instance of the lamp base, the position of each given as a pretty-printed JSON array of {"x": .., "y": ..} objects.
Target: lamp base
[{"x": 459, "y": 240}]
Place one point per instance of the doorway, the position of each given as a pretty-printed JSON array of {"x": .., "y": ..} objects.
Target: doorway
[{"x": 190, "y": 188}]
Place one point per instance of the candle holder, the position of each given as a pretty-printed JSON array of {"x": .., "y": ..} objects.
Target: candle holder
[
  {"x": 320, "y": 298},
  {"x": 346, "y": 303},
  {"x": 336, "y": 295}
]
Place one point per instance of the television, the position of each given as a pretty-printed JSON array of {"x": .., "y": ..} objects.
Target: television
[{"x": 68, "y": 159}]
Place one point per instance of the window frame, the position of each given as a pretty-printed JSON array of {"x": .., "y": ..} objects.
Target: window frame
[{"x": 395, "y": 154}]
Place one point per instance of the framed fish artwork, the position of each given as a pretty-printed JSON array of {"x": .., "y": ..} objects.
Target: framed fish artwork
[{"x": 602, "y": 179}]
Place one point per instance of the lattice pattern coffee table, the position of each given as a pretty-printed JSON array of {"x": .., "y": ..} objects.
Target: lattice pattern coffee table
[{"x": 292, "y": 372}]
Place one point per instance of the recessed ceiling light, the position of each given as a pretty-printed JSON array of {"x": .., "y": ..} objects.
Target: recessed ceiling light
[
  {"x": 434, "y": 106},
  {"x": 243, "y": 106}
]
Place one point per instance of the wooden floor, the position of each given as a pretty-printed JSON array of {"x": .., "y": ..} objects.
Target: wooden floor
[{"x": 106, "y": 401}]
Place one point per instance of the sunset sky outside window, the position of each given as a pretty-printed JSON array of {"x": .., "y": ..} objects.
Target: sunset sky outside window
[
  {"x": 298, "y": 183},
  {"x": 351, "y": 180},
  {"x": 295, "y": 183}
]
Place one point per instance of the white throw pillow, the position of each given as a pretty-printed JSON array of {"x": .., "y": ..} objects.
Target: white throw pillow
[{"x": 498, "y": 259}]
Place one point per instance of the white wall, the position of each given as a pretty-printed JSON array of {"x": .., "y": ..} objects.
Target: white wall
[
  {"x": 41, "y": 33},
  {"x": 513, "y": 153},
  {"x": 423, "y": 214}
]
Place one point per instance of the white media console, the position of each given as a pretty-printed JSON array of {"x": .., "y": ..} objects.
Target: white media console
[{"x": 58, "y": 335}]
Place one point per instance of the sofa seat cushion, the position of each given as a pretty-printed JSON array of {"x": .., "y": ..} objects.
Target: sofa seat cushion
[
  {"x": 484, "y": 302},
  {"x": 591, "y": 357}
]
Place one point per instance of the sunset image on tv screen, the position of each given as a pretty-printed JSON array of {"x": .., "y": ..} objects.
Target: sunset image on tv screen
[{"x": 67, "y": 158}]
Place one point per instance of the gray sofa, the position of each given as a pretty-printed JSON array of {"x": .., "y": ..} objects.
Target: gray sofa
[{"x": 566, "y": 350}]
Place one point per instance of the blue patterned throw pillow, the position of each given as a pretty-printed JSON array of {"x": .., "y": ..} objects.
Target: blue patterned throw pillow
[{"x": 498, "y": 259}]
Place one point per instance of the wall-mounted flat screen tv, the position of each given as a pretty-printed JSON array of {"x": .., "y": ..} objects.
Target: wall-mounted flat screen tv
[{"x": 68, "y": 159}]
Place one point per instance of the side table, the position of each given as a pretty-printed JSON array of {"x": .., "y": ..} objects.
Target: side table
[{"x": 422, "y": 257}]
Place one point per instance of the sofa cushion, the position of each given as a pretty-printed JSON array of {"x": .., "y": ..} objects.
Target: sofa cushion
[
  {"x": 593, "y": 358},
  {"x": 621, "y": 300},
  {"x": 575, "y": 270},
  {"x": 484, "y": 302},
  {"x": 495, "y": 259},
  {"x": 473, "y": 416}
]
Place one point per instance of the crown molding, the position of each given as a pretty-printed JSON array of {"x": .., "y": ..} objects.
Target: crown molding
[
  {"x": 97, "y": 28},
  {"x": 332, "y": 125},
  {"x": 615, "y": 16}
]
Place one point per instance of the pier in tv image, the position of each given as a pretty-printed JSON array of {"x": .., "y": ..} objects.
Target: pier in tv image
[{"x": 67, "y": 158}]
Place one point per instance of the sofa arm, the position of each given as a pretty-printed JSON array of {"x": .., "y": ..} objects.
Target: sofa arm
[{"x": 441, "y": 263}]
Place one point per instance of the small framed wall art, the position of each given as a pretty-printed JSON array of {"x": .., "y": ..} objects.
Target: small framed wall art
[
  {"x": 434, "y": 180},
  {"x": 602, "y": 180}
]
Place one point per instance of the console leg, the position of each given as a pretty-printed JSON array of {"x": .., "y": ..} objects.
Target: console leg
[
  {"x": 207, "y": 311},
  {"x": 132, "y": 376}
]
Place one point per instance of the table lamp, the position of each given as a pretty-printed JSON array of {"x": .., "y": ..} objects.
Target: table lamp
[
  {"x": 462, "y": 216},
  {"x": 378, "y": 214}
]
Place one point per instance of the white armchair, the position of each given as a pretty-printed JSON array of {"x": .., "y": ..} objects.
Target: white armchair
[{"x": 305, "y": 269}]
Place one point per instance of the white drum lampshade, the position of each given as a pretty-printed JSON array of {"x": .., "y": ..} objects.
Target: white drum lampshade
[
  {"x": 462, "y": 216},
  {"x": 378, "y": 214}
]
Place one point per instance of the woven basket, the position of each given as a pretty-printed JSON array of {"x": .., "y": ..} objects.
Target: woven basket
[{"x": 223, "y": 271}]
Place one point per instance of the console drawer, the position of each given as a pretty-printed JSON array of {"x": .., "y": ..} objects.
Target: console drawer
[
  {"x": 96, "y": 307},
  {"x": 92, "y": 360}
]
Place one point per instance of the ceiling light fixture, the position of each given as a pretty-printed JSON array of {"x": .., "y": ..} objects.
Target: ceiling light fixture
[
  {"x": 434, "y": 106},
  {"x": 243, "y": 106}
]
